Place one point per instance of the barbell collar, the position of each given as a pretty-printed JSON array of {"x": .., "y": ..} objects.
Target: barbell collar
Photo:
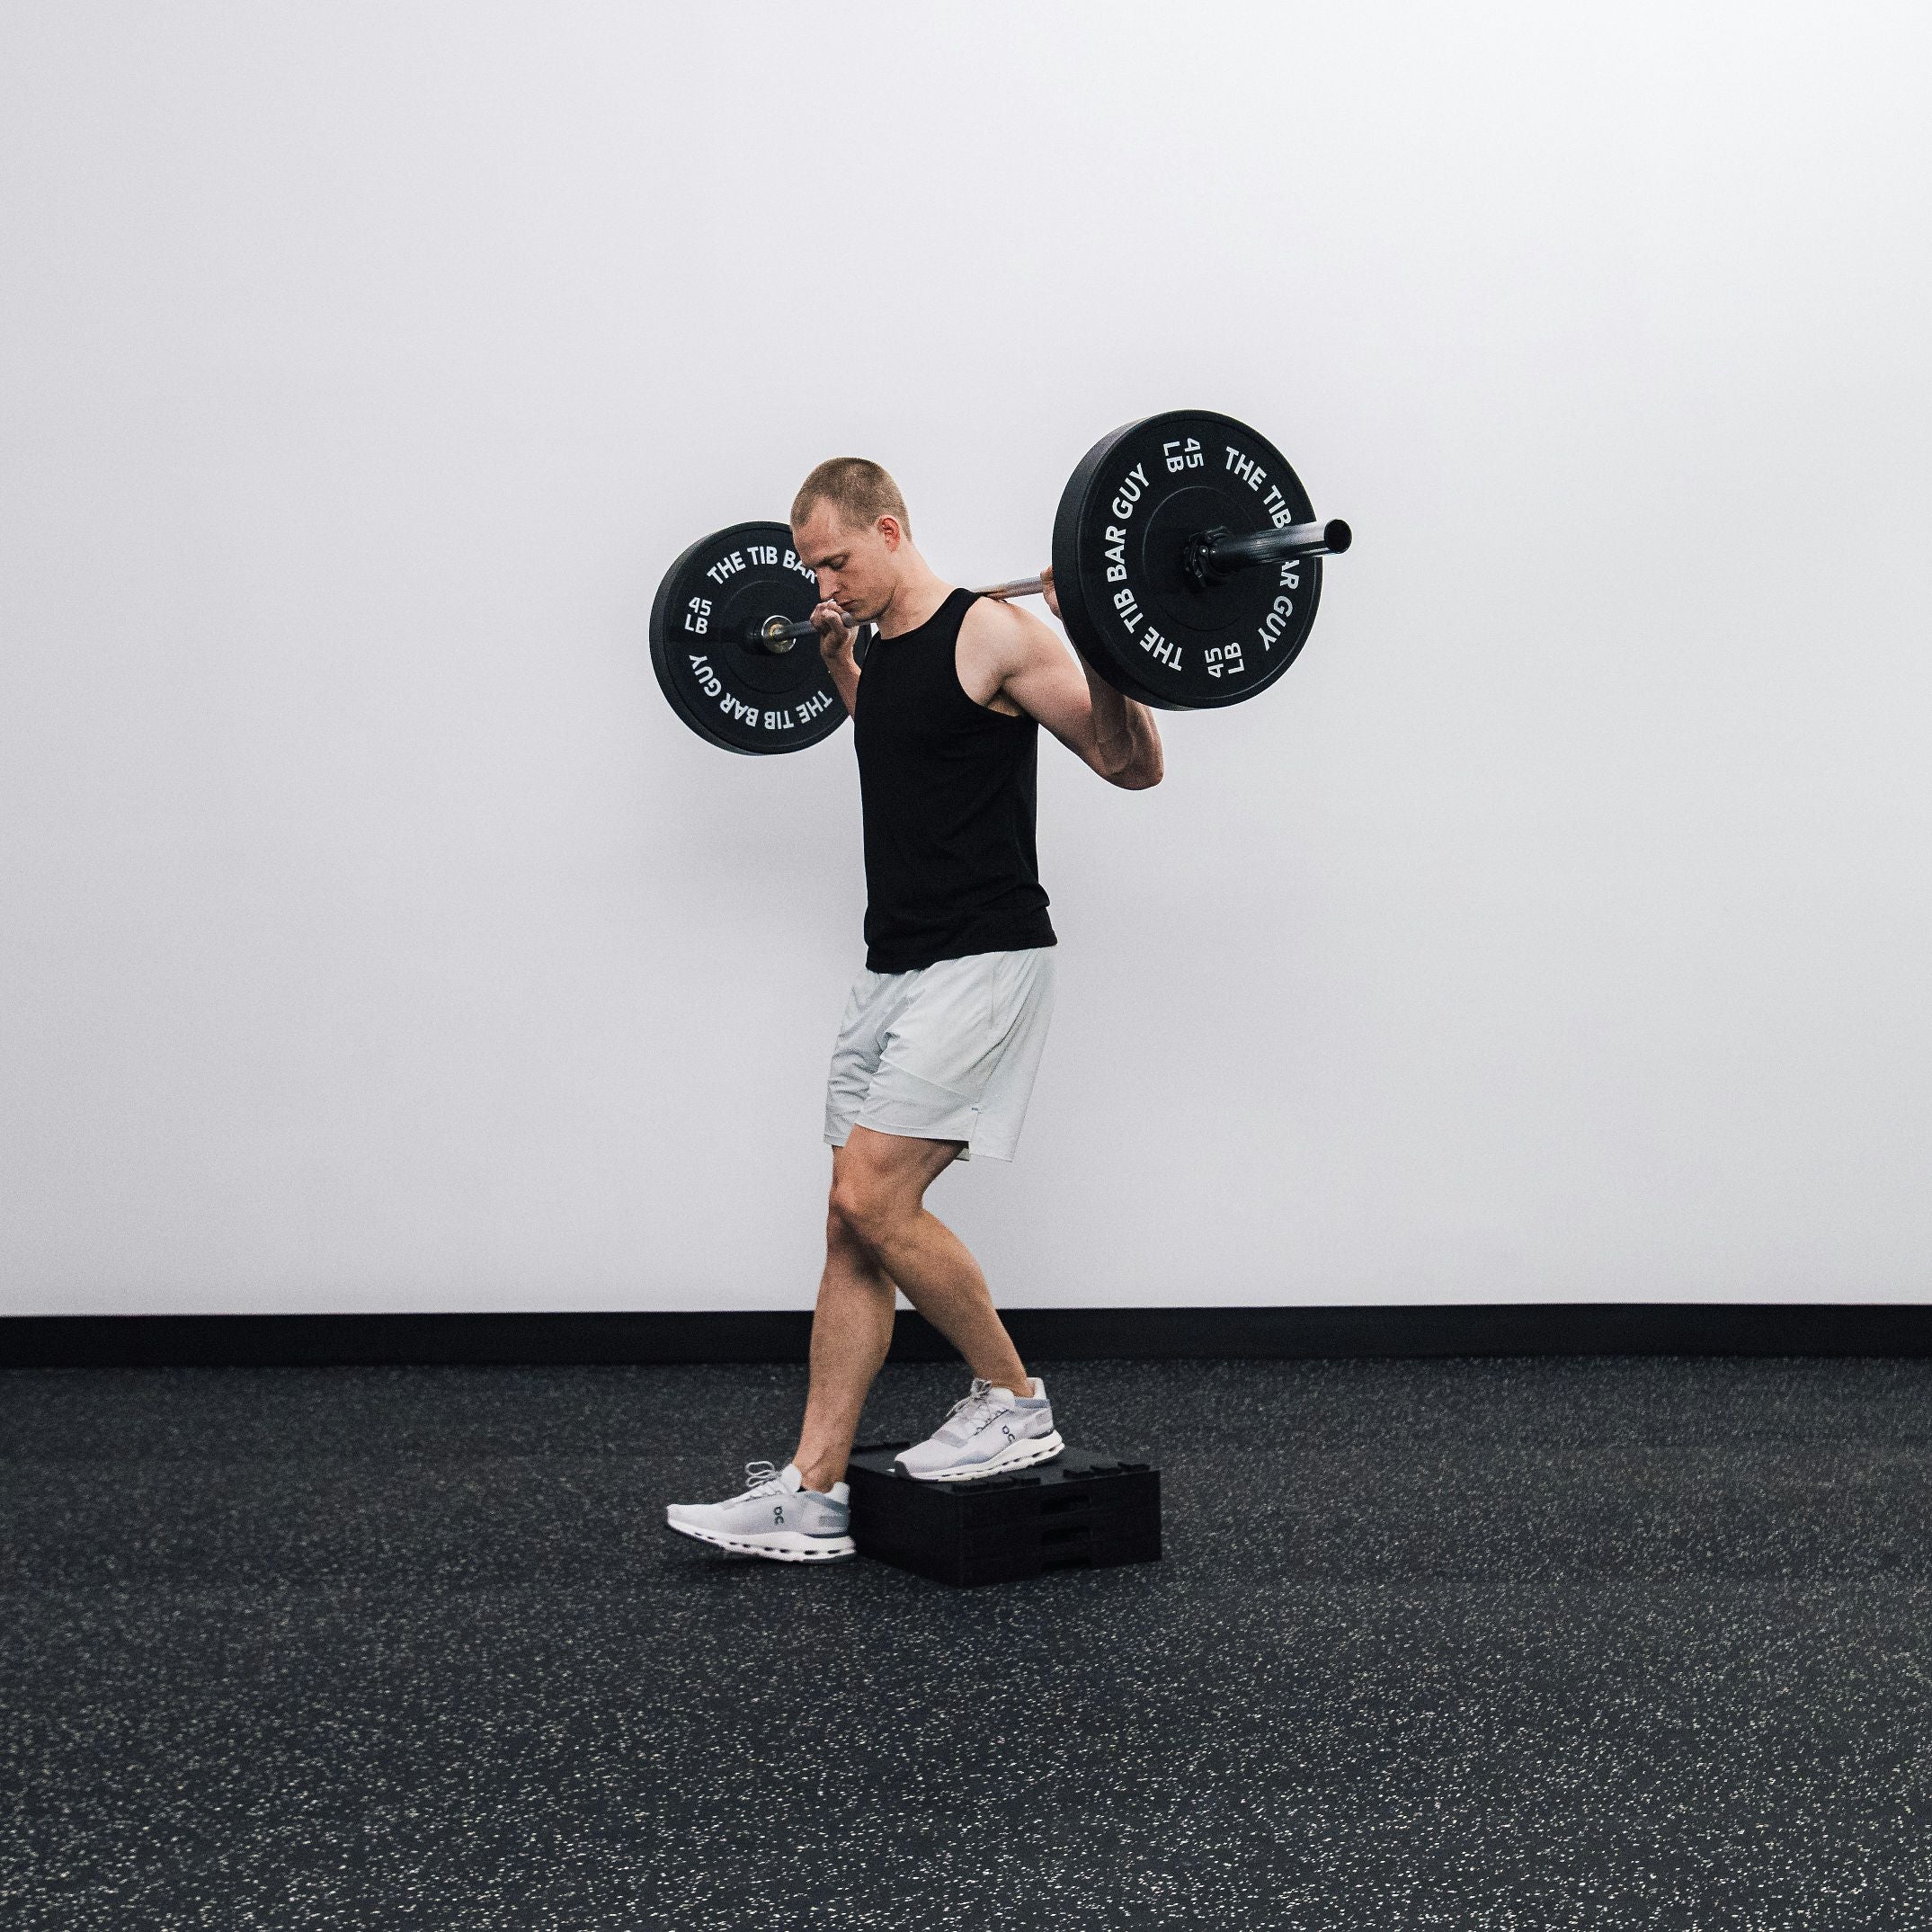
[
  {"x": 1215, "y": 555},
  {"x": 776, "y": 636}
]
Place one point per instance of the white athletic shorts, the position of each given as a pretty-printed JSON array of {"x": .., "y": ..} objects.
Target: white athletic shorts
[{"x": 946, "y": 1052}]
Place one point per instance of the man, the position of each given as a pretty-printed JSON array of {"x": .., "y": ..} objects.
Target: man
[{"x": 942, "y": 1034}]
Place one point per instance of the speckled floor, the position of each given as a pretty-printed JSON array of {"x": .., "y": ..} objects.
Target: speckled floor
[{"x": 1599, "y": 1644}]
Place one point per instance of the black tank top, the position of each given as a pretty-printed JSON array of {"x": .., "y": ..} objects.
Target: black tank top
[{"x": 948, "y": 790}]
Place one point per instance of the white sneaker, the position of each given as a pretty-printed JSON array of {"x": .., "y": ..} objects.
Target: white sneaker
[
  {"x": 988, "y": 1432},
  {"x": 777, "y": 1516}
]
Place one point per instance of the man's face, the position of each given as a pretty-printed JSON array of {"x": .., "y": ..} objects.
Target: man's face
[{"x": 856, "y": 563}]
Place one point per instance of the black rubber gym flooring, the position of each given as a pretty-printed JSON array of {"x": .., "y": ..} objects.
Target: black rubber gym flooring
[{"x": 1537, "y": 1644}]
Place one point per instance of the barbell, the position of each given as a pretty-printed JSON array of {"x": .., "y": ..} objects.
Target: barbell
[{"x": 1186, "y": 558}]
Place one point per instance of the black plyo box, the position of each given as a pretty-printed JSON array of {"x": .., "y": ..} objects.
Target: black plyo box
[{"x": 1082, "y": 1509}]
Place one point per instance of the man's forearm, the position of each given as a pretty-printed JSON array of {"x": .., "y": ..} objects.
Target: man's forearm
[
  {"x": 843, "y": 668},
  {"x": 1125, "y": 742}
]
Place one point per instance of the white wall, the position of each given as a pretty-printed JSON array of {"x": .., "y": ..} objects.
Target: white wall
[{"x": 375, "y": 937}]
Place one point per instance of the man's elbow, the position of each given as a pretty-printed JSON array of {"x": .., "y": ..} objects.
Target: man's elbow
[{"x": 1137, "y": 777}]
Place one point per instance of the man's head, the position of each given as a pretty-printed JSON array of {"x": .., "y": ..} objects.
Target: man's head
[{"x": 848, "y": 524}]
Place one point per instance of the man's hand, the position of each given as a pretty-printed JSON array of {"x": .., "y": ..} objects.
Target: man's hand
[
  {"x": 1049, "y": 593},
  {"x": 835, "y": 631}
]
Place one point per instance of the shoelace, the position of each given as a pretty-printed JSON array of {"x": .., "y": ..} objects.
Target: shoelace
[
  {"x": 762, "y": 1476},
  {"x": 980, "y": 1392}
]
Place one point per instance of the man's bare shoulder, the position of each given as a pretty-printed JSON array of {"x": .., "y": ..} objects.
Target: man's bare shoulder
[{"x": 1005, "y": 634}]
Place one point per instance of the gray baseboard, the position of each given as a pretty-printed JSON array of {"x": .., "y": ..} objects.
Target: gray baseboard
[{"x": 1049, "y": 1334}]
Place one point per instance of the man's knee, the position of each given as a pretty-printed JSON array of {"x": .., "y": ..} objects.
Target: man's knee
[
  {"x": 841, "y": 1236},
  {"x": 862, "y": 1211}
]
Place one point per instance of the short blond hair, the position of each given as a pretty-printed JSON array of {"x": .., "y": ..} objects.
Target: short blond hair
[{"x": 860, "y": 491}]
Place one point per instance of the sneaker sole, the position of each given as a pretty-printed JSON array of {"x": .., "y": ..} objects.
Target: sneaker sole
[
  {"x": 1021, "y": 1455},
  {"x": 779, "y": 1545}
]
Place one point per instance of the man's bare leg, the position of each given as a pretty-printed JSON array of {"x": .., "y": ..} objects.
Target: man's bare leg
[
  {"x": 852, "y": 1329},
  {"x": 878, "y": 1232}
]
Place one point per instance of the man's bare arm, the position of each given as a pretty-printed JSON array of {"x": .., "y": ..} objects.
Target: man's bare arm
[
  {"x": 835, "y": 642},
  {"x": 1109, "y": 731}
]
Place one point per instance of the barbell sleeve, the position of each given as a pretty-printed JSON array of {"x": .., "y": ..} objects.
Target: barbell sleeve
[{"x": 1215, "y": 555}]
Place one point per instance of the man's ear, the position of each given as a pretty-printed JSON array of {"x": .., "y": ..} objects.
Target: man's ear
[{"x": 888, "y": 530}]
